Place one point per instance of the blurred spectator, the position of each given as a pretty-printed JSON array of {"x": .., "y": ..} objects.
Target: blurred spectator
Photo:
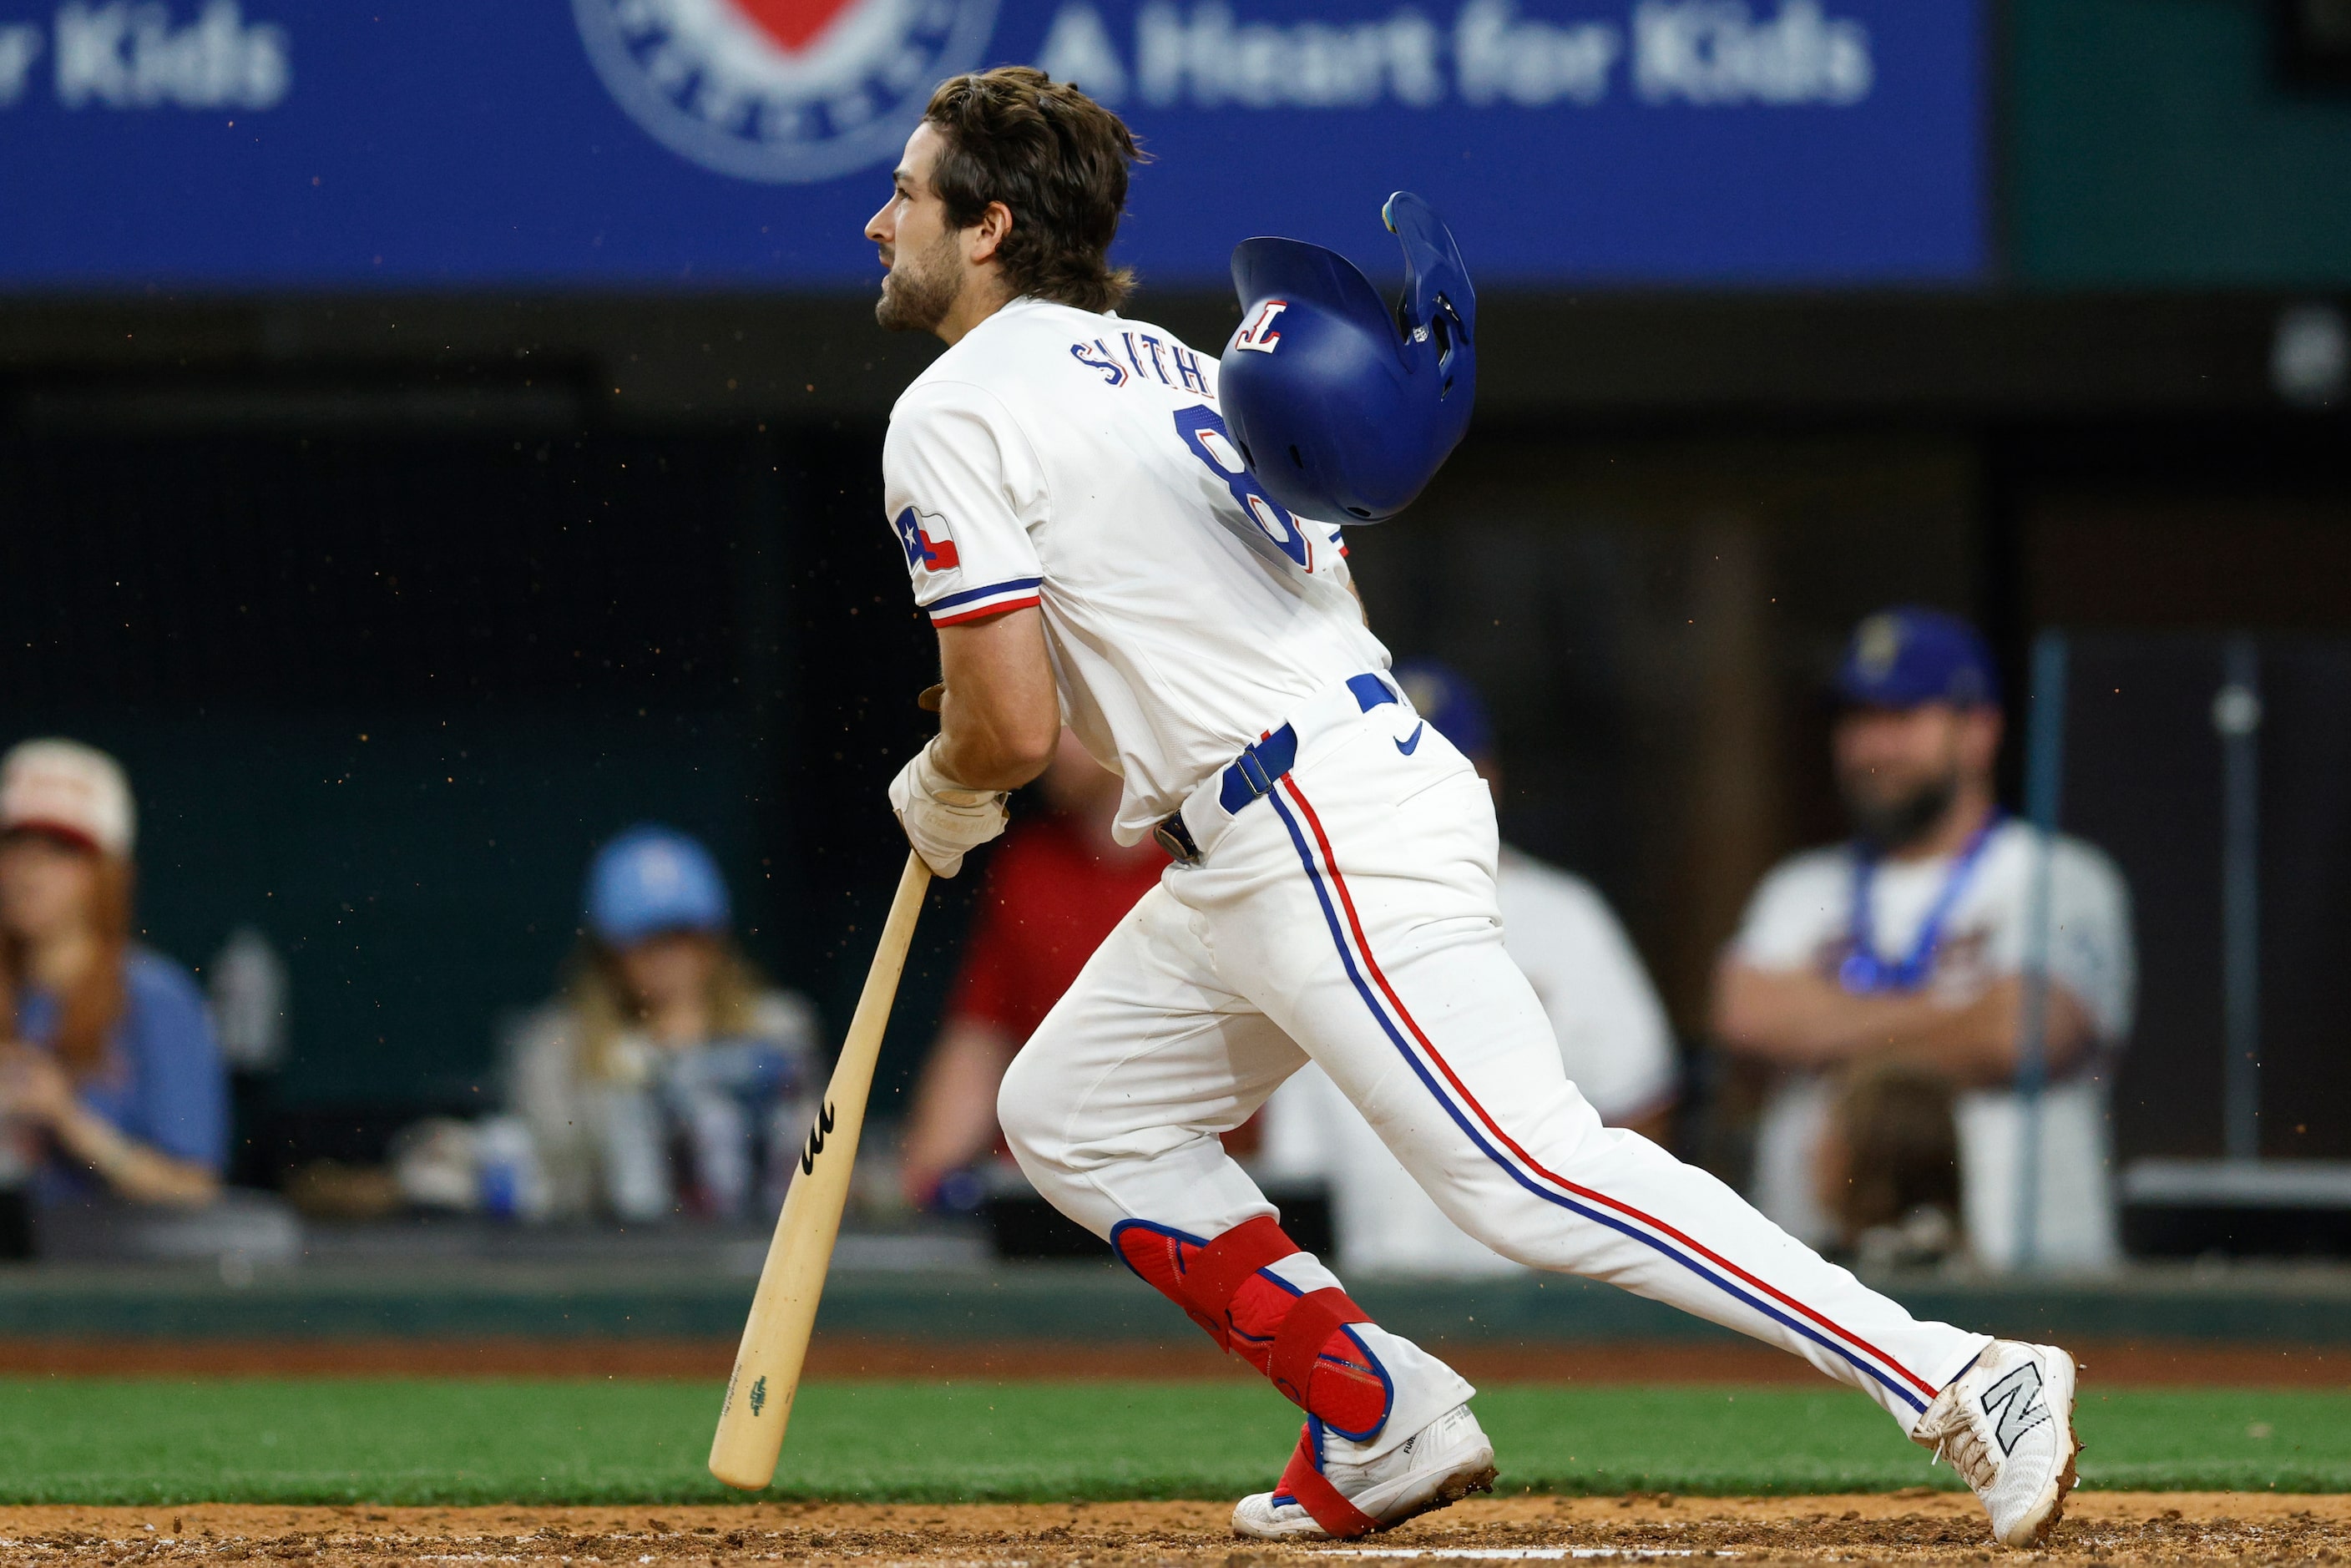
[
  {"x": 1909, "y": 945},
  {"x": 1055, "y": 887},
  {"x": 668, "y": 1078},
  {"x": 110, "y": 1080},
  {"x": 1613, "y": 1039}
]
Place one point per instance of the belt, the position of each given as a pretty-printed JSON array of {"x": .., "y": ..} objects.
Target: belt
[{"x": 1259, "y": 768}]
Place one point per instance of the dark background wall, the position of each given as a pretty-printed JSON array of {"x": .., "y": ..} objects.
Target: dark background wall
[
  {"x": 2168, "y": 143},
  {"x": 380, "y": 696}
]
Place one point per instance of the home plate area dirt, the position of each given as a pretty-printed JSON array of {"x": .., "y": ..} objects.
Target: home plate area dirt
[{"x": 1916, "y": 1527}]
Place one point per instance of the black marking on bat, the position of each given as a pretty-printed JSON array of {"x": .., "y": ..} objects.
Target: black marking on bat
[{"x": 816, "y": 1140}]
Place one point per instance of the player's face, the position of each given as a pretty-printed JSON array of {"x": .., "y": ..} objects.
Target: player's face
[
  {"x": 926, "y": 263},
  {"x": 48, "y": 887},
  {"x": 1900, "y": 768}
]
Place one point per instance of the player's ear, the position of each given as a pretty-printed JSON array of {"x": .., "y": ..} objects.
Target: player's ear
[{"x": 983, "y": 238}]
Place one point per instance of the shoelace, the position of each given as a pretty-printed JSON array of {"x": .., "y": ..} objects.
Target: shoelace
[{"x": 1968, "y": 1452}]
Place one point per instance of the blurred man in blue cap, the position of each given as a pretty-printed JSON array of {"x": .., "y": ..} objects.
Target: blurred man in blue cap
[
  {"x": 1613, "y": 1037},
  {"x": 1889, "y": 969}
]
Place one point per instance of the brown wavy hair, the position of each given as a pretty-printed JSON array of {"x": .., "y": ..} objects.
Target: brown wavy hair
[
  {"x": 1056, "y": 160},
  {"x": 88, "y": 1012}
]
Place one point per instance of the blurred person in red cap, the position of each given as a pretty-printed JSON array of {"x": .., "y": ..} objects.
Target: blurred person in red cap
[
  {"x": 1054, "y": 889},
  {"x": 110, "y": 1077}
]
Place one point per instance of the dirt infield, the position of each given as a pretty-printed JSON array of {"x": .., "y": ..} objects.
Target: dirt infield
[
  {"x": 2106, "y": 1528},
  {"x": 2115, "y": 1364}
]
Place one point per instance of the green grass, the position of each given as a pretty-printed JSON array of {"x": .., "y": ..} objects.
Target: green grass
[{"x": 260, "y": 1440}]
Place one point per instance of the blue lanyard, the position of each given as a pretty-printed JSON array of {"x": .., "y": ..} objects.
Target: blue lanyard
[{"x": 1863, "y": 971}]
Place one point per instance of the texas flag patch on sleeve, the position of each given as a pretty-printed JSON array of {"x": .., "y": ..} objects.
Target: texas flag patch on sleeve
[{"x": 929, "y": 547}]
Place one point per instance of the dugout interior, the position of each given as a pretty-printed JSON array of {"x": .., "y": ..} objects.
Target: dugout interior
[{"x": 395, "y": 607}]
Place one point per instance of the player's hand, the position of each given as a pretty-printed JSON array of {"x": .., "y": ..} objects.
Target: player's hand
[{"x": 943, "y": 820}]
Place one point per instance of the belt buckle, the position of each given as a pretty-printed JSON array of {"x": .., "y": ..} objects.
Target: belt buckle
[{"x": 1172, "y": 836}]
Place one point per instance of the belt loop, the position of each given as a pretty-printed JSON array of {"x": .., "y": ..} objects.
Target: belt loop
[
  {"x": 1254, "y": 771},
  {"x": 1370, "y": 690}
]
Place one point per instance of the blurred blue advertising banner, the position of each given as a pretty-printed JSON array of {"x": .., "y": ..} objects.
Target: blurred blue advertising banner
[{"x": 247, "y": 144}]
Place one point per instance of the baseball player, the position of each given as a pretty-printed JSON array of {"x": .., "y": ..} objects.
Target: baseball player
[{"x": 1091, "y": 546}]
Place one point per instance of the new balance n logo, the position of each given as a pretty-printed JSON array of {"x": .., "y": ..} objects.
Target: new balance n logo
[{"x": 2015, "y": 1406}]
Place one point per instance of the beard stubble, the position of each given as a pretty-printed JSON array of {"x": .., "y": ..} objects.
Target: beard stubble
[
  {"x": 1890, "y": 823},
  {"x": 919, "y": 292}
]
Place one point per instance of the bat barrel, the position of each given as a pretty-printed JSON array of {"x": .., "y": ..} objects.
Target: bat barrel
[{"x": 758, "y": 1403}]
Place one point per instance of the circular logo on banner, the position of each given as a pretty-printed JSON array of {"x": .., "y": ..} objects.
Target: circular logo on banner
[{"x": 781, "y": 90}]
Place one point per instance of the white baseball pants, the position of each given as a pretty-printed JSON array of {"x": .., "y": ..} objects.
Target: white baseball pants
[{"x": 1349, "y": 917}]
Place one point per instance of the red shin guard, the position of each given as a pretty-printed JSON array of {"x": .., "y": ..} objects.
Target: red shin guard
[{"x": 1299, "y": 1341}]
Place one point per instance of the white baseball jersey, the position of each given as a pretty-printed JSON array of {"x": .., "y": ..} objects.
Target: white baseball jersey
[
  {"x": 1614, "y": 1041},
  {"x": 1801, "y": 918},
  {"x": 1078, "y": 462},
  {"x": 1346, "y": 917}
]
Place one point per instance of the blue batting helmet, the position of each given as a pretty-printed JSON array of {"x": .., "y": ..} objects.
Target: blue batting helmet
[
  {"x": 1343, "y": 408},
  {"x": 653, "y": 879}
]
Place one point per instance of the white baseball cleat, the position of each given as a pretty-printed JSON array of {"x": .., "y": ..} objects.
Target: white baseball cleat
[
  {"x": 1442, "y": 1463},
  {"x": 2007, "y": 1426}
]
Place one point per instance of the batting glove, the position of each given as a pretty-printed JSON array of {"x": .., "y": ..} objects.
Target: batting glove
[{"x": 943, "y": 820}]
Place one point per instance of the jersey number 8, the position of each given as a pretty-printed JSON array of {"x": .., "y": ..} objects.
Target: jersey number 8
[{"x": 1203, "y": 430}]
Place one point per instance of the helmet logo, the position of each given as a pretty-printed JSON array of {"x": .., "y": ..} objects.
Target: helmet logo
[{"x": 1258, "y": 336}]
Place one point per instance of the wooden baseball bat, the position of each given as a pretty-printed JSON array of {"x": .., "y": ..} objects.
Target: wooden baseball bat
[{"x": 775, "y": 1339}]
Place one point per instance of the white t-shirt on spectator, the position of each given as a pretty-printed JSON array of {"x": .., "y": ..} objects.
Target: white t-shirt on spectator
[
  {"x": 1801, "y": 918},
  {"x": 1613, "y": 1040}
]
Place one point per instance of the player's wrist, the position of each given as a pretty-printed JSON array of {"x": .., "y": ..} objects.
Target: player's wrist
[{"x": 933, "y": 778}]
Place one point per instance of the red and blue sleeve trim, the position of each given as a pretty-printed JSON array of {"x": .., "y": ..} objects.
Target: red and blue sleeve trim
[{"x": 975, "y": 603}]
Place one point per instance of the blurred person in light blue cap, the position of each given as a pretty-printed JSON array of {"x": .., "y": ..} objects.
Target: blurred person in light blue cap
[
  {"x": 1613, "y": 1037},
  {"x": 650, "y": 881},
  {"x": 668, "y": 1079},
  {"x": 1896, "y": 961}
]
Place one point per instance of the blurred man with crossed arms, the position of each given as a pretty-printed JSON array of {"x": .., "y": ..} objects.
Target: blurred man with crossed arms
[{"x": 1908, "y": 948}]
